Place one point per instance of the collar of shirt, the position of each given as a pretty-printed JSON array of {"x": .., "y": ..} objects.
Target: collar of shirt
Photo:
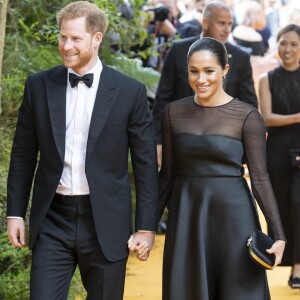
[{"x": 79, "y": 107}]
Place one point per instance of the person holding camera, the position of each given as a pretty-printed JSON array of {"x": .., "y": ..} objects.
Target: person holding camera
[
  {"x": 160, "y": 29},
  {"x": 190, "y": 22}
]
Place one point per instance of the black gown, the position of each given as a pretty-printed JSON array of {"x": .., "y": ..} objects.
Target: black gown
[
  {"x": 285, "y": 91},
  {"x": 211, "y": 209}
]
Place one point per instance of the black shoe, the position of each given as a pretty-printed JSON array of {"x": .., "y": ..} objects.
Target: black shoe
[
  {"x": 295, "y": 283},
  {"x": 290, "y": 280}
]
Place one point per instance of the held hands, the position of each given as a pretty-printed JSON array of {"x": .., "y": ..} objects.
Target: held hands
[
  {"x": 277, "y": 249},
  {"x": 141, "y": 242},
  {"x": 16, "y": 232}
]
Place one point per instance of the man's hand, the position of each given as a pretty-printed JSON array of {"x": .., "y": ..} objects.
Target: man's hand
[
  {"x": 141, "y": 242},
  {"x": 159, "y": 154},
  {"x": 16, "y": 232}
]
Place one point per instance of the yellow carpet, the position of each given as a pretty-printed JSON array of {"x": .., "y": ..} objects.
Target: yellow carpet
[{"x": 143, "y": 279}]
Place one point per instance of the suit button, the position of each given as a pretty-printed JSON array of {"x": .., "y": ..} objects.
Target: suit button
[{"x": 57, "y": 177}]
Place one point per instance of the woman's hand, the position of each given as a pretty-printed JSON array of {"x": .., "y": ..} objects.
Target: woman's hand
[
  {"x": 141, "y": 242},
  {"x": 277, "y": 249}
]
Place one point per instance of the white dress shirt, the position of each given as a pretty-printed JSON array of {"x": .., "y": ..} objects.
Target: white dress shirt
[{"x": 79, "y": 107}]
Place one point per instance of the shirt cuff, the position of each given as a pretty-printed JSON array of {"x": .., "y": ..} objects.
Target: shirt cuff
[{"x": 13, "y": 217}]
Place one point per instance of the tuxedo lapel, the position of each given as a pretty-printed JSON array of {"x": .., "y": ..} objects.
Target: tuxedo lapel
[
  {"x": 106, "y": 96},
  {"x": 56, "y": 86}
]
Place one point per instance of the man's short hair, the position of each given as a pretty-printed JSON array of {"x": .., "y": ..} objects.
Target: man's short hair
[
  {"x": 210, "y": 6},
  {"x": 96, "y": 20}
]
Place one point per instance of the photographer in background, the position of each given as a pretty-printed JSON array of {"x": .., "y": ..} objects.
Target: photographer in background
[
  {"x": 165, "y": 25},
  {"x": 190, "y": 22},
  {"x": 160, "y": 29}
]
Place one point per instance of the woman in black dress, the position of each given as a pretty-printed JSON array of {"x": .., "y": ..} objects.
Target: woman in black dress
[
  {"x": 280, "y": 105},
  {"x": 206, "y": 138}
]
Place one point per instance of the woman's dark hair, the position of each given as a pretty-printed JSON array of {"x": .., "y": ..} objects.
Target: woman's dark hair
[
  {"x": 212, "y": 45},
  {"x": 288, "y": 28}
]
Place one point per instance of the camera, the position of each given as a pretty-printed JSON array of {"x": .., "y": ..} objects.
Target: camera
[{"x": 161, "y": 13}]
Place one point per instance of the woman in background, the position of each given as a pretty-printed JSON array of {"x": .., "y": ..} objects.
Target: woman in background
[
  {"x": 279, "y": 92},
  {"x": 251, "y": 25},
  {"x": 211, "y": 209}
]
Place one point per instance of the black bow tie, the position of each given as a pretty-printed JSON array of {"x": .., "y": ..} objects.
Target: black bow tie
[{"x": 87, "y": 79}]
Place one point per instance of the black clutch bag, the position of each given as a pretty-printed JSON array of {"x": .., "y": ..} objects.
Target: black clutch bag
[
  {"x": 295, "y": 163},
  {"x": 258, "y": 243}
]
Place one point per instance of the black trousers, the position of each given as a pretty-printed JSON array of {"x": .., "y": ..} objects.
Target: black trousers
[{"x": 67, "y": 239}]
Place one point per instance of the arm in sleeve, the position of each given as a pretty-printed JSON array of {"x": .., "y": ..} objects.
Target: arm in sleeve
[
  {"x": 254, "y": 138},
  {"x": 23, "y": 158},
  {"x": 166, "y": 175},
  {"x": 246, "y": 90},
  {"x": 165, "y": 91},
  {"x": 144, "y": 162}
]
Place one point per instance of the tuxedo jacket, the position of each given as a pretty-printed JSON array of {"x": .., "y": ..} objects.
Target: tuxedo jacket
[
  {"x": 174, "y": 85},
  {"x": 120, "y": 122}
]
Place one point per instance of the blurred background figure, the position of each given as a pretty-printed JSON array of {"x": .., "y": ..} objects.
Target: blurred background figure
[
  {"x": 171, "y": 4},
  {"x": 160, "y": 30},
  {"x": 291, "y": 12},
  {"x": 188, "y": 8},
  {"x": 272, "y": 8},
  {"x": 125, "y": 9},
  {"x": 251, "y": 33},
  {"x": 190, "y": 20},
  {"x": 295, "y": 16},
  {"x": 279, "y": 93}
]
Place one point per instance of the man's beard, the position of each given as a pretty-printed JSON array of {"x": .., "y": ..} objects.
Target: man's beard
[{"x": 81, "y": 60}]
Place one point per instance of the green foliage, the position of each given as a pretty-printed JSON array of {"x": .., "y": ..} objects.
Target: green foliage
[
  {"x": 76, "y": 289},
  {"x": 122, "y": 33},
  {"x": 14, "y": 271},
  {"x": 6, "y": 126},
  {"x": 31, "y": 45},
  {"x": 14, "y": 263},
  {"x": 133, "y": 67},
  {"x": 14, "y": 74}
]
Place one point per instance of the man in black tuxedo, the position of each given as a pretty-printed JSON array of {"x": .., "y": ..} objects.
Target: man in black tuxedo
[
  {"x": 173, "y": 84},
  {"x": 81, "y": 119}
]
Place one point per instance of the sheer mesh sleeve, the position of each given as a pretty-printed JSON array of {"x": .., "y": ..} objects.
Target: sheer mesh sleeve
[
  {"x": 166, "y": 176},
  {"x": 254, "y": 138}
]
